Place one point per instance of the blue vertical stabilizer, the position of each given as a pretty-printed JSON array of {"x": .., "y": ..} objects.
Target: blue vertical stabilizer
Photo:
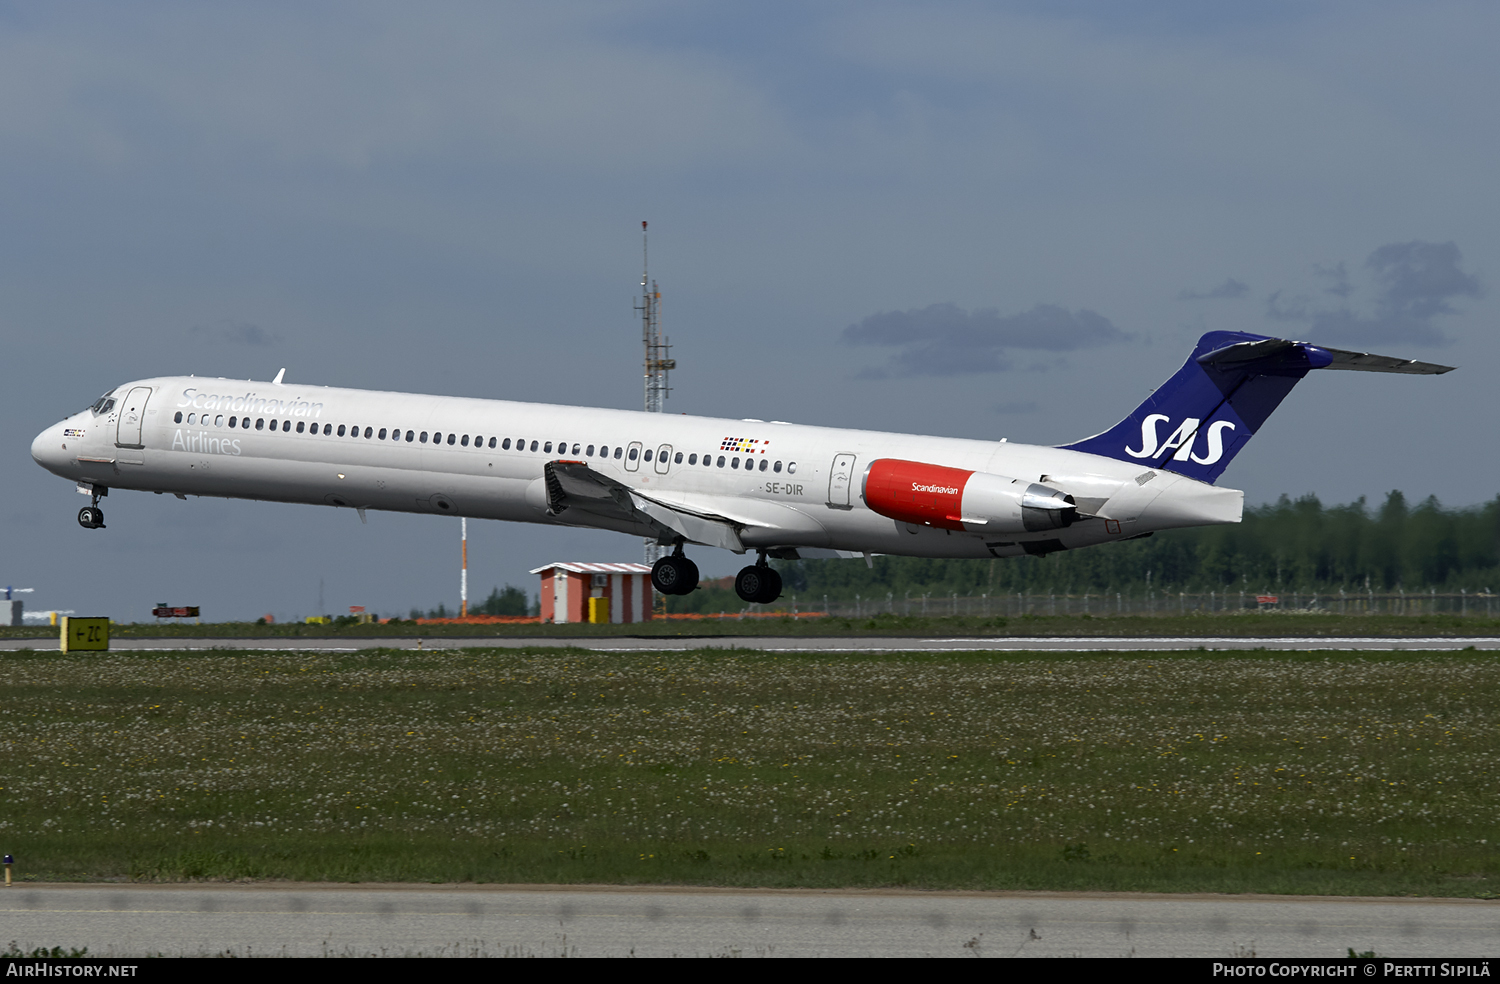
[{"x": 1197, "y": 421}]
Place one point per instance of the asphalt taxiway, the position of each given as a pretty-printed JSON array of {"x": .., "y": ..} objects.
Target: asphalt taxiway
[
  {"x": 525, "y": 921},
  {"x": 802, "y": 644}
]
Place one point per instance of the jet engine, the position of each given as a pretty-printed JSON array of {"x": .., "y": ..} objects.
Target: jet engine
[{"x": 955, "y": 499}]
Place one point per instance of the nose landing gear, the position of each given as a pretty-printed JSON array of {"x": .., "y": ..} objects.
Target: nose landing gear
[
  {"x": 674, "y": 574},
  {"x": 758, "y": 584},
  {"x": 92, "y": 517}
]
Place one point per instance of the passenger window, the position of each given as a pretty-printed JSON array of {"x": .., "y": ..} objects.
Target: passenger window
[
  {"x": 776, "y": 468},
  {"x": 219, "y": 420},
  {"x": 381, "y": 435},
  {"x": 533, "y": 445},
  {"x": 575, "y": 449},
  {"x": 260, "y": 423},
  {"x": 617, "y": 452},
  {"x": 634, "y": 452},
  {"x": 492, "y": 442},
  {"x": 301, "y": 427},
  {"x": 791, "y": 468},
  {"x": 341, "y": 430},
  {"x": 177, "y": 419},
  {"x": 409, "y": 436},
  {"x": 677, "y": 459},
  {"x": 451, "y": 439},
  {"x": 232, "y": 420},
  {"x": 648, "y": 454},
  {"x": 190, "y": 418},
  {"x": 464, "y": 442},
  {"x": 286, "y": 425},
  {"x": 547, "y": 448},
  {"x": 692, "y": 459},
  {"x": 721, "y": 461},
  {"x": 590, "y": 452},
  {"x": 369, "y": 433},
  {"x": 504, "y": 445},
  {"x": 764, "y": 464},
  {"x": 734, "y": 462},
  {"x": 437, "y": 437},
  {"x": 422, "y": 437}
]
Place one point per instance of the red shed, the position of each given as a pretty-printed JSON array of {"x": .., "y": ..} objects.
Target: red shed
[{"x": 567, "y": 588}]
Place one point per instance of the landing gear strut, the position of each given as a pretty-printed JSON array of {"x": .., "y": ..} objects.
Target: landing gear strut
[
  {"x": 675, "y": 574},
  {"x": 759, "y": 583},
  {"x": 91, "y": 517}
]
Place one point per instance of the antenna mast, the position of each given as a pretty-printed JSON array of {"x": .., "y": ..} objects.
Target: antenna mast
[
  {"x": 657, "y": 346},
  {"x": 657, "y": 362}
]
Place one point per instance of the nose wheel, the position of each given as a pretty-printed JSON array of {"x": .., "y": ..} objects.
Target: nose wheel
[
  {"x": 91, "y": 517},
  {"x": 675, "y": 574},
  {"x": 758, "y": 584}
]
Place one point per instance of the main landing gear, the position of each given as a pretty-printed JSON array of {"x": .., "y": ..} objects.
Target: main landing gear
[
  {"x": 92, "y": 517},
  {"x": 675, "y": 574},
  {"x": 759, "y": 583}
]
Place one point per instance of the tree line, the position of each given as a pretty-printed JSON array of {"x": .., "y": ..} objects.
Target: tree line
[
  {"x": 510, "y": 601},
  {"x": 1288, "y": 545}
]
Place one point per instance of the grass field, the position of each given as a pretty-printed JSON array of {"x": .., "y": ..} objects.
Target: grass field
[
  {"x": 1235, "y": 624},
  {"x": 1373, "y": 774}
]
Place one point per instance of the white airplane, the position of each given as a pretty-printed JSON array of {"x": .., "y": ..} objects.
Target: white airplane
[{"x": 781, "y": 490}]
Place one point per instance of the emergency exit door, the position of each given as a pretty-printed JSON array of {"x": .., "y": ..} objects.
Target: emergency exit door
[{"x": 840, "y": 480}]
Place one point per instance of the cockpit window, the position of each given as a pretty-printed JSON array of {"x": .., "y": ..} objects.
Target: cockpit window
[{"x": 104, "y": 404}]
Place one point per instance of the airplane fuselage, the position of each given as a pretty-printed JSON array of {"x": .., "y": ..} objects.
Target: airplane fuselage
[{"x": 777, "y": 485}]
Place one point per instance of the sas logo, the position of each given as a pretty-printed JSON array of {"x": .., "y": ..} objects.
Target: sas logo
[
  {"x": 743, "y": 445},
  {"x": 1182, "y": 439}
]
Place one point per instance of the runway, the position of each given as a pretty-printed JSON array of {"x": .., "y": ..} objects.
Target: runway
[
  {"x": 458, "y": 921},
  {"x": 853, "y": 644}
]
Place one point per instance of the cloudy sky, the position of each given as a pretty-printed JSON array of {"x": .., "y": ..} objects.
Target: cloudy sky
[{"x": 984, "y": 220}]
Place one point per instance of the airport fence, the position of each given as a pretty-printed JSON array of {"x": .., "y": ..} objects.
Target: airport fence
[{"x": 1151, "y": 602}]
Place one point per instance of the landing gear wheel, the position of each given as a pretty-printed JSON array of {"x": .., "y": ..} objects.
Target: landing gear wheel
[
  {"x": 758, "y": 585},
  {"x": 675, "y": 575},
  {"x": 773, "y": 587},
  {"x": 91, "y": 518}
]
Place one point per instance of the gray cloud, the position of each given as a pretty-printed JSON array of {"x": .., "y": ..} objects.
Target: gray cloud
[
  {"x": 1288, "y": 309},
  {"x": 1339, "y": 277},
  {"x": 238, "y": 333},
  {"x": 1228, "y": 290},
  {"x": 1415, "y": 282},
  {"x": 946, "y": 340}
]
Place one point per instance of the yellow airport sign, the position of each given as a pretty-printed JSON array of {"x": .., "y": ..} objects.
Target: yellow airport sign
[{"x": 81, "y": 634}]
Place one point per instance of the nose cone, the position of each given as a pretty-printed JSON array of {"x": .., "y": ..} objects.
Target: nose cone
[{"x": 48, "y": 451}]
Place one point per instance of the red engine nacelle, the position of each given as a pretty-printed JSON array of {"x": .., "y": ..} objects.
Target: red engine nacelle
[{"x": 957, "y": 499}]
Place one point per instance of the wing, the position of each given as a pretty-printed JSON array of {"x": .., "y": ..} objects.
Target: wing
[{"x": 590, "y": 498}]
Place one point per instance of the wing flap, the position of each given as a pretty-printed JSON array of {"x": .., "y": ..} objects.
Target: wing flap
[{"x": 573, "y": 485}]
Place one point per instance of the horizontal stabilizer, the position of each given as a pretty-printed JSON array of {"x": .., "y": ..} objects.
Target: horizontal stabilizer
[
  {"x": 1365, "y": 362},
  {"x": 1272, "y": 353}
]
